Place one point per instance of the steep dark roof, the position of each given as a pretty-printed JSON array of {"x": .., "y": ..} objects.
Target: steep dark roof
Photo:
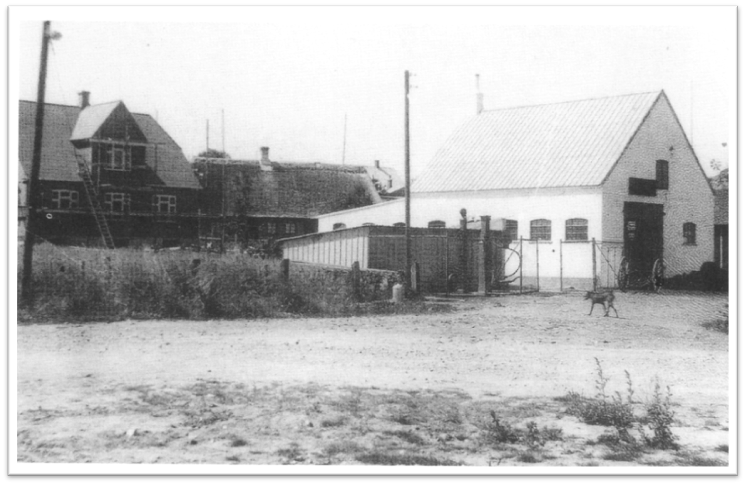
[
  {"x": 58, "y": 157},
  {"x": 288, "y": 190}
]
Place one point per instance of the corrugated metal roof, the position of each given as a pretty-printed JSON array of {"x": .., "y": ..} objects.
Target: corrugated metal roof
[
  {"x": 90, "y": 120},
  {"x": 58, "y": 155},
  {"x": 554, "y": 145}
]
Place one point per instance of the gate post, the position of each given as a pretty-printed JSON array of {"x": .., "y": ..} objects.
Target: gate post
[
  {"x": 593, "y": 252},
  {"x": 285, "y": 269},
  {"x": 484, "y": 256},
  {"x": 355, "y": 283},
  {"x": 561, "y": 286}
]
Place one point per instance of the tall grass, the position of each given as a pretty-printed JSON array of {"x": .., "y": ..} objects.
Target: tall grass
[{"x": 95, "y": 284}]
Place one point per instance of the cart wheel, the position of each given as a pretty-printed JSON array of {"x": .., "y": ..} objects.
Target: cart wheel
[
  {"x": 657, "y": 275},
  {"x": 623, "y": 275}
]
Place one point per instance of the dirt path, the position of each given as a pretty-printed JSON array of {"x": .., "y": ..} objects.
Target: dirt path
[{"x": 520, "y": 347}]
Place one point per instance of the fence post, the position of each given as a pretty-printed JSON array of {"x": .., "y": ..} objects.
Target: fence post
[
  {"x": 561, "y": 285},
  {"x": 285, "y": 269},
  {"x": 520, "y": 263},
  {"x": 463, "y": 254},
  {"x": 483, "y": 256},
  {"x": 355, "y": 275},
  {"x": 415, "y": 272},
  {"x": 593, "y": 252},
  {"x": 448, "y": 282},
  {"x": 537, "y": 264}
]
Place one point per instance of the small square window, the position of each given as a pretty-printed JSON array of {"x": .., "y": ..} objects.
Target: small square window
[
  {"x": 164, "y": 204},
  {"x": 289, "y": 228},
  {"x": 271, "y": 228},
  {"x": 117, "y": 202},
  {"x": 65, "y": 199},
  {"x": 576, "y": 230},
  {"x": 690, "y": 233},
  {"x": 541, "y": 229}
]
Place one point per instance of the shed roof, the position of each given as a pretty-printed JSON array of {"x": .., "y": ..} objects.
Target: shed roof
[{"x": 552, "y": 145}]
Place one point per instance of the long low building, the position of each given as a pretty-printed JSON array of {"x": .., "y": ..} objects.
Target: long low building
[{"x": 619, "y": 170}]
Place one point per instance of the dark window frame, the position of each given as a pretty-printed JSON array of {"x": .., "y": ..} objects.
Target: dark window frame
[
  {"x": 166, "y": 201},
  {"x": 511, "y": 229},
  {"x": 65, "y": 199},
  {"x": 576, "y": 229},
  {"x": 661, "y": 174},
  {"x": 690, "y": 234},
  {"x": 541, "y": 230}
]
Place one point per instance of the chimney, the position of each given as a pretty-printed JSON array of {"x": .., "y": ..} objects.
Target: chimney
[
  {"x": 265, "y": 163},
  {"x": 480, "y": 98},
  {"x": 378, "y": 164},
  {"x": 84, "y": 99}
]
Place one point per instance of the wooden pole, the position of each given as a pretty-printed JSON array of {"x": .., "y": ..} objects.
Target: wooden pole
[
  {"x": 537, "y": 264},
  {"x": 561, "y": 286},
  {"x": 407, "y": 213},
  {"x": 32, "y": 197},
  {"x": 520, "y": 262}
]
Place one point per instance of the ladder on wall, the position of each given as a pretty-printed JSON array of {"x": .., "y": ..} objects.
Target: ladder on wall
[{"x": 95, "y": 203}]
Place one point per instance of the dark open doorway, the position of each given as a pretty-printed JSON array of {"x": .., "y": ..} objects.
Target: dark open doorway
[{"x": 643, "y": 234}]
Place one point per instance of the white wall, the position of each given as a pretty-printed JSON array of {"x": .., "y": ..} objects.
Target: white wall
[
  {"x": 688, "y": 199},
  {"x": 524, "y": 205}
]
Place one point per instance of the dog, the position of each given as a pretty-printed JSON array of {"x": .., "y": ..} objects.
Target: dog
[{"x": 605, "y": 298}]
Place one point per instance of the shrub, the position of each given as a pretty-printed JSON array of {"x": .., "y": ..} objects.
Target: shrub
[
  {"x": 497, "y": 432},
  {"x": 659, "y": 419}
]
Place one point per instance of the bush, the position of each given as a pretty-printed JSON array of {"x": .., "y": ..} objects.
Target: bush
[{"x": 659, "y": 419}]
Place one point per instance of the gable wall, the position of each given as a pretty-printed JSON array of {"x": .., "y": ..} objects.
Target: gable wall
[{"x": 688, "y": 198}]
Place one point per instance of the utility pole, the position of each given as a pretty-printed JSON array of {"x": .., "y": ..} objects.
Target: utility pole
[
  {"x": 406, "y": 181},
  {"x": 207, "y": 136},
  {"x": 344, "y": 141},
  {"x": 32, "y": 199},
  {"x": 222, "y": 130}
]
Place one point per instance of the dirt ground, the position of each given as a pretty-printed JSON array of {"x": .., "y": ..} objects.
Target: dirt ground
[{"x": 327, "y": 391}]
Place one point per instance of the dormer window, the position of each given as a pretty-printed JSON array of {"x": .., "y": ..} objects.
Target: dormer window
[{"x": 119, "y": 158}]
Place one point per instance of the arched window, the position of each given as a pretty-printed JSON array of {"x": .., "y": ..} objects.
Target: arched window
[
  {"x": 541, "y": 229},
  {"x": 436, "y": 224},
  {"x": 576, "y": 230},
  {"x": 339, "y": 225},
  {"x": 690, "y": 233},
  {"x": 661, "y": 174}
]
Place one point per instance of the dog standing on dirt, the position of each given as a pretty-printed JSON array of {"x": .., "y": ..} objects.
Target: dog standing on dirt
[{"x": 605, "y": 298}]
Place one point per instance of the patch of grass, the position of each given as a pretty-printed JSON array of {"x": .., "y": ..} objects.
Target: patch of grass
[
  {"x": 293, "y": 453},
  {"x": 238, "y": 442},
  {"x": 407, "y": 435},
  {"x": 552, "y": 433},
  {"x": 497, "y": 432},
  {"x": 390, "y": 459},
  {"x": 690, "y": 459},
  {"x": 722, "y": 448},
  {"x": 333, "y": 422},
  {"x": 530, "y": 457},
  {"x": 717, "y": 326},
  {"x": 343, "y": 447}
]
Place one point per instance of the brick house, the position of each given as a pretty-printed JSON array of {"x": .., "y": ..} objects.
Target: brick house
[
  {"x": 255, "y": 202},
  {"x": 109, "y": 177}
]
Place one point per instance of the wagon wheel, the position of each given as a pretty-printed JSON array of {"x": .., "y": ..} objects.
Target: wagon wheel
[
  {"x": 623, "y": 275},
  {"x": 657, "y": 275}
]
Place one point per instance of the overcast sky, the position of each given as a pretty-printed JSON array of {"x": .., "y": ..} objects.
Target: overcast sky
[{"x": 287, "y": 78}]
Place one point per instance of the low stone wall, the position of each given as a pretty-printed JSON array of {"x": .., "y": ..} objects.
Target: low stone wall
[{"x": 355, "y": 284}]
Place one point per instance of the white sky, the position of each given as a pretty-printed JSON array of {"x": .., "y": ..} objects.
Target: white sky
[{"x": 286, "y": 78}]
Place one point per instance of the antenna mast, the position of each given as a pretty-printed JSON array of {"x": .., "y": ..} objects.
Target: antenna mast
[{"x": 344, "y": 141}]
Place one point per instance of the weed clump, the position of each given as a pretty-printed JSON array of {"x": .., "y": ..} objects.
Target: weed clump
[{"x": 618, "y": 412}]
